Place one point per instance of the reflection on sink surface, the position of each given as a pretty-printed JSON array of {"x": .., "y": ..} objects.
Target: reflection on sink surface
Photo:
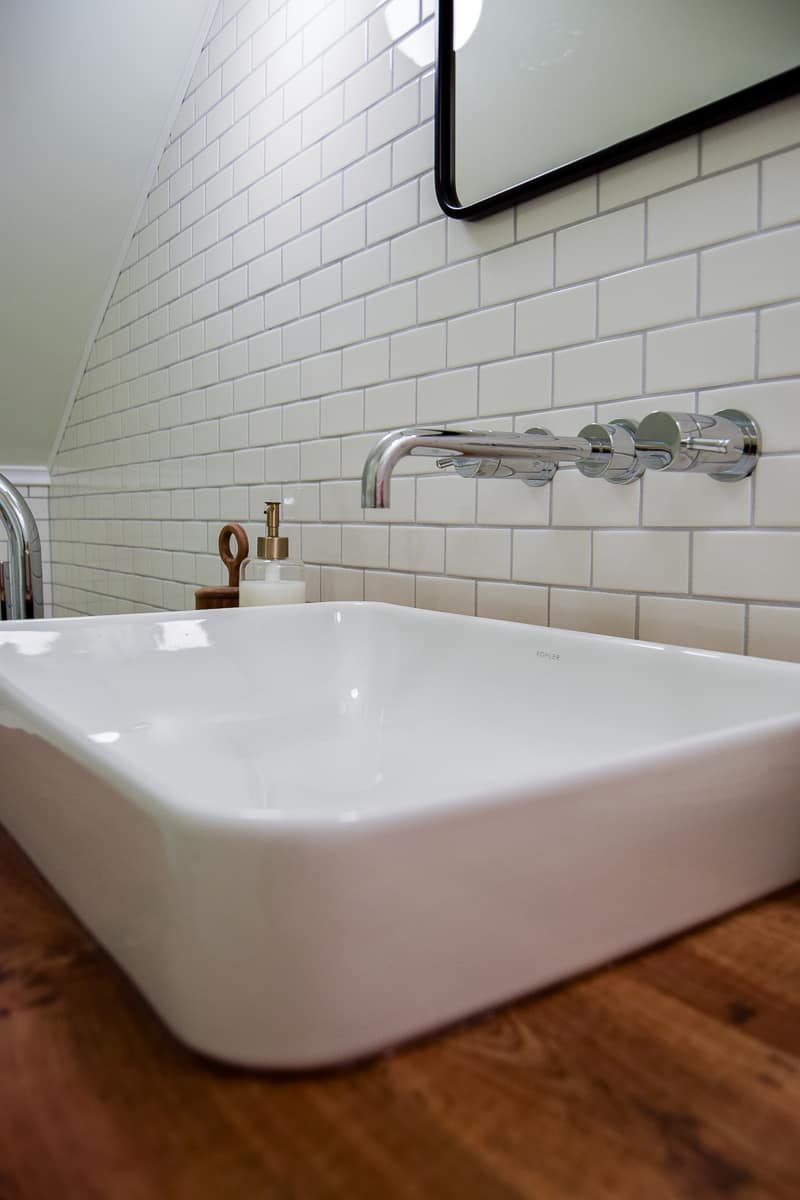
[{"x": 311, "y": 832}]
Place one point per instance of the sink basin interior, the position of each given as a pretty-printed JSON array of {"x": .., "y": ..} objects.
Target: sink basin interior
[{"x": 353, "y": 709}]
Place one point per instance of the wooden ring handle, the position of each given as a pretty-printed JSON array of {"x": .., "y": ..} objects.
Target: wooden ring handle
[{"x": 233, "y": 562}]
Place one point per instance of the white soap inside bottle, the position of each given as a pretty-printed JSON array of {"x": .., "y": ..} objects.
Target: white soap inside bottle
[{"x": 272, "y": 577}]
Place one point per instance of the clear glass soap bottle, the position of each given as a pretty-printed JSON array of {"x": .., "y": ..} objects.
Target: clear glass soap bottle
[{"x": 272, "y": 577}]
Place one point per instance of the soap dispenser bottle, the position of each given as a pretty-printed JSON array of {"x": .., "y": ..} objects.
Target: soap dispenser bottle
[{"x": 272, "y": 577}]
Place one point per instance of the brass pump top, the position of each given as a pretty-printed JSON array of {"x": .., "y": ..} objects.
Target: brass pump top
[{"x": 273, "y": 546}]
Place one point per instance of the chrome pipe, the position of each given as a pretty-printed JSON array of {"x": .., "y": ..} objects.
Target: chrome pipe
[
  {"x": 24, "y": 553},
  {"x": 523, "y": 448}
]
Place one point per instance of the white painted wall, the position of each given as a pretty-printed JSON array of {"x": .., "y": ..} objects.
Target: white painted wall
[
  {"x": 86, "y": 87},
  {"x": 293, "y": 290}
]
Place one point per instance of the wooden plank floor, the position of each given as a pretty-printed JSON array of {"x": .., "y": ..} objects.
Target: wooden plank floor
[{"x": 675, "y": 1074}]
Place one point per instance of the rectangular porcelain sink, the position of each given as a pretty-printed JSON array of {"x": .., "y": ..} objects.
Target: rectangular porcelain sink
[{"x": 312, "y": 832}]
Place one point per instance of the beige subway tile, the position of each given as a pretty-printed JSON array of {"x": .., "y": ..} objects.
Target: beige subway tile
[
  {"x": 777, "y": 487},
  {"x": 750, "y": 136},
  {"x": 676, "y": 498},
  {"x": 341, "y": 583},
  {"x": 446, "y": 595},
  {"x": 482, "y": 553},
  {"x": 774, "y": 632},
  {"x": 705, "y": 624},
  {"x": 641, "y": 560},
  {"x": 657, "y": 294},
  {"x": 773, "y": 405},
  {"x": 600, "y": 245},
  {"x": 780, "y": 189},
  {"x": 551, "y": 556},
  {"x": 699, "y": 214},
  {"x": 389, "y": 587},
  {"x": 416, "y": 548},
  {"x": 608, "y": 613},
  {"x": 701, "y": 354},
  {"x": 599, "y": 371},
  {"x": 647, "y": 174},
  {"x": 581, "y": 501},
  {"x": 512, "y": 602},
  {"x": 747, "y": 565},
  {"x": 779, "y": 351},
  {"x": 758, "y": 270}
]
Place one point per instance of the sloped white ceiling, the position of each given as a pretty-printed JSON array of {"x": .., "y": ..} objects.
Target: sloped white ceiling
[{"x": 87, "y": 88}]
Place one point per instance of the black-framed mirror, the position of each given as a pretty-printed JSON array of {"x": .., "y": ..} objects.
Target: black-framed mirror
[{"x": 532, "y": 94}]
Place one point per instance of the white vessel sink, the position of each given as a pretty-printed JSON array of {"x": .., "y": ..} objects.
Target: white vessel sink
[{"x": 309, "y": 833}]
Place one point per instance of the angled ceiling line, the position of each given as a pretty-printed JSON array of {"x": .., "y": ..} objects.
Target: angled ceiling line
[{"x": 158, "y": 152}]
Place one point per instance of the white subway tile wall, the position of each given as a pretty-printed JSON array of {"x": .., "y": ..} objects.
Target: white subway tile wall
[
  {"x": 38, "y": 498},
  {"x": 292, "y": 290}
]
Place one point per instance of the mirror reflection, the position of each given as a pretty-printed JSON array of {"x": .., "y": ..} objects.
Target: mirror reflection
[{"x": 576, "y": 85}]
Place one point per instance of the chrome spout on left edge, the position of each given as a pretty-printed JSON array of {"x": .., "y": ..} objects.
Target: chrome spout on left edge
[{"x": 24, "y": 554}]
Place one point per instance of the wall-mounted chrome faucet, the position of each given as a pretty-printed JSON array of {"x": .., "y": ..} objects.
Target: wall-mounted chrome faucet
[
  {"x": 23, "y": 575},
  {"x": 726, "y": 446}
]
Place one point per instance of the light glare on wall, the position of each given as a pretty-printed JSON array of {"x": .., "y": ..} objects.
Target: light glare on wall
[
  {"x": 419, "y": 45},
  {"x": 466, "y": 14}
]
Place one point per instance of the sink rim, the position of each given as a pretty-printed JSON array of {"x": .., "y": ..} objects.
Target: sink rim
[{"x": 160, "y": 800}]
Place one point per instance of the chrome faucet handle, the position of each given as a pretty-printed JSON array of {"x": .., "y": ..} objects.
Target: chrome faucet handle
[
  {"x": 725, "y": 446},
  {"x": 614, "y": 456}
]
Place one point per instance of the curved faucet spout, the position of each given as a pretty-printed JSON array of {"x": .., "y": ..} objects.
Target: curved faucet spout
[
  {"x": 24, "y": 553},
  {"x": 523, "y": 447}
]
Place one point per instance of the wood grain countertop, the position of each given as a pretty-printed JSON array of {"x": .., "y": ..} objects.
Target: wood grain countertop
[{"x": 675, "y": 1074}]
